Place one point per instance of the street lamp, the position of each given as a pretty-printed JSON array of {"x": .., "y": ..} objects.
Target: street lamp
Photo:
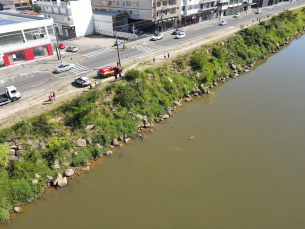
[{"x": 57, "y": 46}]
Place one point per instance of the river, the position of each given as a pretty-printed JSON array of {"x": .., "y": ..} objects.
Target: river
[{"x": 244, "y": 168}]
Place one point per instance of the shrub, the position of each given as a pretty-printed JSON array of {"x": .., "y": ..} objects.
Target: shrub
[
  {"x": 132, "y": 74},
  {"x": 4, "y": 155}
]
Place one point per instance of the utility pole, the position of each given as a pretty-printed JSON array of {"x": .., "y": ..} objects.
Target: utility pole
[
  {"x": 57, "y": 46},
  {"x": 117, "y": 47}
]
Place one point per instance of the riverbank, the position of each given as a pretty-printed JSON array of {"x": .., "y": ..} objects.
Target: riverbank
[{"x": 91, "y": 124}]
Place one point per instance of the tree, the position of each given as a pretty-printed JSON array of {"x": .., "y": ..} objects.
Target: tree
[
  {"x": 4, "y": 155},
  {"x": 37, "y": 8}
]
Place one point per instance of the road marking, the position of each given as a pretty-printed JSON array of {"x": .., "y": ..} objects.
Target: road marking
[
  {"x": 98, "y": 52},
  {"x": 144, "y": 48},
  {"x": 79, "y": 69},
  {"x": 21, "y": 76}
]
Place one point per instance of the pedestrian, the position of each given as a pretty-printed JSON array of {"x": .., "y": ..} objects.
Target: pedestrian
[
  {"x": 259, "y": 20},
  {"x": 256, "y": 19},
  {"x": 154, "y": 60},
  {"x": 54, "y": 96},
  {"x": 50, "y": 98},
  {"x": 164, "y": 55},
  {"x": 168, "y": 55},
  {"x": 219, "y": 18},
  {"x": 252, "y": 21}
]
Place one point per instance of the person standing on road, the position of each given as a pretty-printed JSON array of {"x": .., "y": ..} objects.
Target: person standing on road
[
  {"x": 154, "y": 60},
  {"x": 164, "y": 55},
  {"x": 168, "y": 55}
]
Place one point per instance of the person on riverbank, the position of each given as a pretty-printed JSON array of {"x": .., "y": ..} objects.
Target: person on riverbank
[
  {"x": 164, "y": 55},
  {"x": 54, "y": 96},
  {"x": 50, "y": 98},
  {"x": 168, "y": 55},
  {"x": 154, "y": 60}
]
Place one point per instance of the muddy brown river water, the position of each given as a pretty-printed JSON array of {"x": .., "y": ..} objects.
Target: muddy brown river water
[{"x": 245, "y": 167}]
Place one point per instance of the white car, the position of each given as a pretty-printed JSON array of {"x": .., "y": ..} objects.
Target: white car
[
  {"x": 180, "y": 35},
  {"x": 258, "y": 11},
  {"x": 156, "y": 37},
  {"x": 72, "y": 49},
  {"x": 223, "y": 23},
  {"x": 236, "y": 15},
  {"x": 83, "y": 80},
  {"x": 64, "y": 67}
]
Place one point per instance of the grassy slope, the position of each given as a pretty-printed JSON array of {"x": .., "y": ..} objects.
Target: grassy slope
[{"x": 149, "y": 91}]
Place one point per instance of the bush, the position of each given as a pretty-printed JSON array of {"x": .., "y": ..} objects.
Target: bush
[
  {"x": 132, "y": 74},
  {"x": 4, "y": 155}
]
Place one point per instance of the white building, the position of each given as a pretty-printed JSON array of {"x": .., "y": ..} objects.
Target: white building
[
  {"x": 25, "y": 37},
  {"x": 72, "y": 18}
]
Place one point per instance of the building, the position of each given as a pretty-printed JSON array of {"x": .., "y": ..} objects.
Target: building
[
  {"x": 145, "y": 16},
  {"x": 72, "y": 18},
  {"x": 16, "y": 5},
  {"x": 25, "y": 37}
]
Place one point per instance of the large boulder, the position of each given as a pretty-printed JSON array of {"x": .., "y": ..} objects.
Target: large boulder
[
  {"x": 18, "y": 209},
  {"x": 168, "y": 110},
  {"x": 127, "y": 139},
  {"x": 86, "y": 168},
  {"x": 89, "y": 140},
  {"x": 90, "y": 127},
  {"x": 12, "y": 152},
  {"x": 42, "y": 145},
  {"x": 165, "y": 116},
  {"x": 80, "y": 143},
  {"x": 62, "y": 182},
  {"x": 56, "y": 179},
  {"x": 108, "y": 152},
  {"x": 115, "y": 142},
  {"x": 139, "y": 116},
  {"x": 233, "y": 66},
  {"x": 35, "y": 181},
  {"x": 69, "y": 172},
  {"x": 13, "y": 158}
]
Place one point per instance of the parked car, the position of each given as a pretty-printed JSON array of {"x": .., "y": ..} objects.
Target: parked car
[
  {"x": 109, "y": 71},
  {"x": 223, "y": 23},
  {"x": 64, "y": 67},
  {"x": 72, "y": 49},
  {"x": 61, "y": 46},
  {"x": 177, "y": 31},
  {"x": 158, "y": 36},
  {"x": 236, "y": 15},
  {"x": 180, "y": 35},
  {"x": 83, "y": 80},
  {"x": 258, "y": 11},
  {"x": 10, "y": 95}
]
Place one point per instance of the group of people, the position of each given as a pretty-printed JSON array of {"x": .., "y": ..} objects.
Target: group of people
[
  {"x": 52, "y": 97},
  {"x": 165, "y": 55}
]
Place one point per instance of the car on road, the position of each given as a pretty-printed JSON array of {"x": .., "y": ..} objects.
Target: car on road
[
  {"x": 61, "y": 46},
  {"x": 72, "y": 49},
  {"x": 83, "y": 80},
  {"x": 223, "y": 23},
  {"x": 109, "y": 71},
  {"x": 177, "y": 31},
  {"x": 236, "y": 15},
  {"x": 64, "y": 67},
  {"x": 10, "y": 95},
  {"x": 156, "y": 37},
  {"x": 180, "y": 35},
  {"x": 258, "y": 11}
]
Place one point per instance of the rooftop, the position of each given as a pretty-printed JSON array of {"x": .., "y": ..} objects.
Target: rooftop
[{"x": 9, "y": 17}]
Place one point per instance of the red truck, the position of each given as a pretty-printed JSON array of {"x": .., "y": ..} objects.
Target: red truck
[{"x": 109, "y": 71}]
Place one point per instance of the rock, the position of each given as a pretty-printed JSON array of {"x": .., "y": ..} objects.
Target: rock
[
  {"x": 151, "y": 131},
  {"x": 90, "y": 127},
  {"x": 147, "y": 125},
  {"x": 121, "y": 138},
  {"x": 246, "y": 70},
  {"x": 13, "y": 147},
  {"x": 56, "y": 166},
  {"x": 99, "y": 146},
  {"x": 168, "y": 110},
  {"x": 233, "y": 66},
  {"x": 20, "y": 147},
  {"x": 127, "y": 139},
  {"x": 13, "y": 158},
  {"x": 35, "y": 144},
  {"x": 161, "y": 119},
  {"x": 18, "y": 209},
  {"x": 108, "y": 152},
  {"x": 81, "y": 143},
  {"x": 42, "y": 145},
  {"x": 56, "y": 179},
  {"x": 89, "y": 140},
  {"x": 166, "y": 116},
  {"x": 35, "y": 181},
  {"x": 20, "y": 159},
  {"x": 277, "y": 45},
  {"x": 75, "y": 153},
  {"x": 12, "y": 152},
  {"x": 176, "y": 104},
  {"x": 188, "y": 100},
  {"x": 49, "y": 179},
  {"x": 66, "y": 163},
  {"x": 125, "y": 136},
  {"x": 111, "y": 147},
  {"x": 86, "y": 168},
  {"x": 115, "y": 142},
  {"x": 69, "y": 172},
  {"x": 36, "y": 175},
  {"x": 139, "y": 116},
  {"x": 18, "y": 152},
  {"x": 62, "y": 182}
]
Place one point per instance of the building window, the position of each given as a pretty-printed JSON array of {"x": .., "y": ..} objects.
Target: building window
[
  {"x": 119, "y": 11},
  {"x": 35, "y": 34},
  {"x": 138, "y": 4},
  {"x": 164, "y": 3},
  {"x": 103, "y": 2},
  {"x": 17, "y": 5},
  {"x": 68, "y": 19},
  {"x": 40, "y": 51},
  {"x": 117, "y": 3},
  {"x": 109, "y": 3},
  {"x": 16, "y": 57},
  {"x": 123, "y": 3},
  {"x": 136, "y": 12},
  {"x": 158, "y": 4},
  {"x": 130, "y": 12},
  {"x": 183, "y": 8},
  {"x": 189, "y": 7},
  {"x": 128, "y": 3},
  {"x": 11, "y": 38}
]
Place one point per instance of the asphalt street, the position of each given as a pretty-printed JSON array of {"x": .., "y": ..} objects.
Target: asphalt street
[{"x": 37, "y": 81}]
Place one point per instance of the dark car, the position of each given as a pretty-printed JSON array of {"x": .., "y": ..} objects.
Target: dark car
[{"x": 177, "y": 31}]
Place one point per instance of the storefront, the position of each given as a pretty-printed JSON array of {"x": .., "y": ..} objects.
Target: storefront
[
  {"x": 27, "y": 54},
  {"x": 167, "y": 24}
]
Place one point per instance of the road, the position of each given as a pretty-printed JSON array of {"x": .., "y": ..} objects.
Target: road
[{"x": 37, "y": 81}]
